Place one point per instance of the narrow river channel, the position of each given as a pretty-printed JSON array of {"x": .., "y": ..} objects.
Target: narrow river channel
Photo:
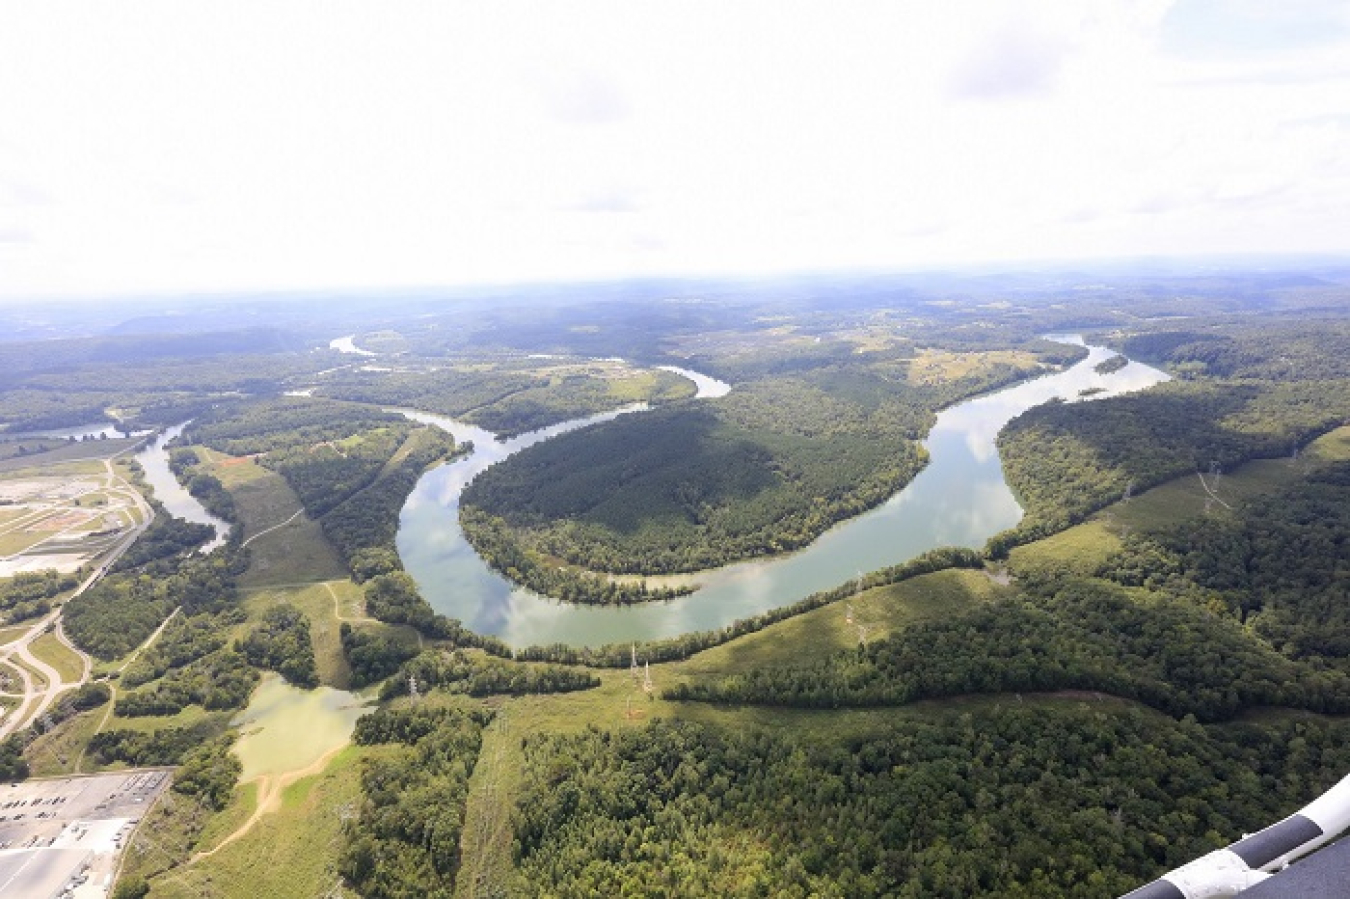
[
  {"x": 959, "y": 499},
  {"x": 154, "y": 460}
]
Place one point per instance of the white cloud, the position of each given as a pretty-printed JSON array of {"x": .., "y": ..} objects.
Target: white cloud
[{"x": 167, "y": 146}]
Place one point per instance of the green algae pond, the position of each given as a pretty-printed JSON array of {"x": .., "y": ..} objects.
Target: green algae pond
[{"x": 287, "y": 729}]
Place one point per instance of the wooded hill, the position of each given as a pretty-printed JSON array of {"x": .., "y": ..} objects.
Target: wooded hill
[{"x": 1253, "y": 388}]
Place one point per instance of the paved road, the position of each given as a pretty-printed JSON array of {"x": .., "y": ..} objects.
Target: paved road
[{"x": 38, "y": 699}]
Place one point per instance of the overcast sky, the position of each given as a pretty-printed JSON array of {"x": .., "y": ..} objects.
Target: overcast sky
[{"x": 189, "y": 146}]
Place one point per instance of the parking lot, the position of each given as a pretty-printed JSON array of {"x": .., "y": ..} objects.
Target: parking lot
[{"x": 62, "y": 837}]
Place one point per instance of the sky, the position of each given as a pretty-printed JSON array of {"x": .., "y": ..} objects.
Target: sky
[{"x": 187, "y": 147}]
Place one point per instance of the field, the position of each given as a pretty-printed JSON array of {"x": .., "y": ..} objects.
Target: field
[
  {"x": 288, "y": 854},
  {"x": 931, "y": 366},
  {"x": 60, "y": 751},
  {"x": 79, "y": 451},
  {"x": 12, "y": 633},
  {"x": 296, "y": 550},
  {"x": 61, "y": 657},
  {"x": 64, "y": 513},
  {"x": 1081, "y": 549},
  {"x": 826, "y": 630}
]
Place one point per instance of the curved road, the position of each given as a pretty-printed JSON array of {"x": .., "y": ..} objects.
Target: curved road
[{"x": 39, "y": 698}]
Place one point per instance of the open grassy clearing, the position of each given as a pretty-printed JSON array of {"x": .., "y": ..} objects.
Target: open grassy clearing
[
  {"x": 166, "y": 837},
  {"x": 39, "y": 681},
  {"x": 12, "y": 633},
  {"x": 10, "y": 676},
  {"x": 931, "y": 366},
  {"x": 243, "y": 803},
  {"x": 1084, "y": 547},
  {"x": 57, "y": 752},
  {"x": 350, "y": 602},
  {"x": 289, "y": 854},
  {"x": 1333, "y": 446},
  {"x": 486, "y": 843},
  {"x": 18, "y": 541},
  {"x": 56, "y": 470},
  {"x": 55, "y": 653},
  {"x": 12, "y": 513},
  {"x": 191, "y": 715},
  {"x": 296, "y": 552},
  {"x": 383, "y": 342},
  {"x": 1078, "y": 550},
  {"x": 823, "y": 631}
]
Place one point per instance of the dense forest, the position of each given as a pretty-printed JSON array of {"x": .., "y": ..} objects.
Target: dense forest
[
  {"x": 1280, "y": 565},
  {"x": 281, "y": 642},
  {"x": 476, "y": 674},
  {"x": 1013, "y": 802},
  {"x": 404, "y": 840},
  {"x": 119, "y": 612},
  {"x": 1070, "y": 635},
  {"x": 223, "y": 679},
  {"x": 29, "y": 594},
  {"x": 184, "y": 639}
]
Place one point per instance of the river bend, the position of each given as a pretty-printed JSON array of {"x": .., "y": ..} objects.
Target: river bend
[{"x": 959, "y": 499}]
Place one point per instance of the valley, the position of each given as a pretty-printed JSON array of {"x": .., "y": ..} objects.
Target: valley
[{"x": 1085, "y": 614}]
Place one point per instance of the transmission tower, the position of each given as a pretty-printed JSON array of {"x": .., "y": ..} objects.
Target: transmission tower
[{"x": 647, "y": 679}]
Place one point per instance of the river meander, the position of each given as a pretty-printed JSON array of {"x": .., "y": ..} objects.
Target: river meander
[{"x": 959, "y": 499}]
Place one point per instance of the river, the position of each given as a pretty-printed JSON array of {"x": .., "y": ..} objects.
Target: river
[
  {"x": 154, "y": 461},
  {"x": 959, "y": 499}
]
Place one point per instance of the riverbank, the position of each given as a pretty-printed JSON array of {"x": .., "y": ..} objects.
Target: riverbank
[{"x": 960, "y": 499}]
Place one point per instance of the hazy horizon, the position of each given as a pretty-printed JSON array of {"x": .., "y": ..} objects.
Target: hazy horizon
[{"x": 163, "y": 149}]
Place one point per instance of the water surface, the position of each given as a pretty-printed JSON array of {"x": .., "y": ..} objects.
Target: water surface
[
  {"x": 959, "y": 499},
  {"x": 286, "y": 729},
  {"x": 154, "y": 460}
]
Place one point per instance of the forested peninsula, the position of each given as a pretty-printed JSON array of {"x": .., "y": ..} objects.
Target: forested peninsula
[{"x": 699, "y": 484}]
